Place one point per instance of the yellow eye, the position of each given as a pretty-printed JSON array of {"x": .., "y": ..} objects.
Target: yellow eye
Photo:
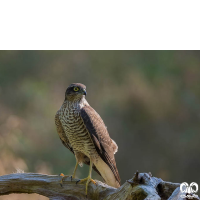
[{"x": 76, "y": 89}]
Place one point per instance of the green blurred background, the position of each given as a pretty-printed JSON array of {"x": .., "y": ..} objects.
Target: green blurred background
[{"x": 149, "y": 100}]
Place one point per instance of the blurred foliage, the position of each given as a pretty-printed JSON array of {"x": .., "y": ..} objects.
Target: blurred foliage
[{"x": 149, "y": 100}]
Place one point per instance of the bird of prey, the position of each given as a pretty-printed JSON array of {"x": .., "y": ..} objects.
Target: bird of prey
[{"x": 84, "y": 133}]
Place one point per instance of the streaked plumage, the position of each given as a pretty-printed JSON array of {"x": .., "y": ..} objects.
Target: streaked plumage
[{"x": 84, "y": 133}]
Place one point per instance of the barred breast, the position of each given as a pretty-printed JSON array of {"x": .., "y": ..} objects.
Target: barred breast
[{"x": 75, "y": 130}]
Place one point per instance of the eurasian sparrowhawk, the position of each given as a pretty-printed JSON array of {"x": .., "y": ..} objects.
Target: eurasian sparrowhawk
[{"x": 84, "y": 133}]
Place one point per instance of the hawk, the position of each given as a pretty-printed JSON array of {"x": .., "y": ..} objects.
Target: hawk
[{"x": 84, "y": 133}]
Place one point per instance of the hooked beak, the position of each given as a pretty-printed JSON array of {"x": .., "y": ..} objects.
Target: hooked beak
[{"x": 84, "y": 92}]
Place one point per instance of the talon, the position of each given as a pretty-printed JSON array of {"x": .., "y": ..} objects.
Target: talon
[
  {"x": 88, "y": 180},
  {"x": 63, "y": 177},
  {"x": 93, "y": 181},
  {"x": 77, "y": 182}
]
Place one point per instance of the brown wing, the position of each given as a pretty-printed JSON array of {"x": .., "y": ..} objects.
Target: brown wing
[
  {"x": 66, "y": 142},
  {"x": 102, "y": 141}
]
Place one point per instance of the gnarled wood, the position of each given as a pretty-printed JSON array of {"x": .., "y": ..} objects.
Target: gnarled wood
[{"x": 141, "y": 186}]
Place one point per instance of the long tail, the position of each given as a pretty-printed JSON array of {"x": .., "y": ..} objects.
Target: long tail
[{"x": 106, "y": 173}]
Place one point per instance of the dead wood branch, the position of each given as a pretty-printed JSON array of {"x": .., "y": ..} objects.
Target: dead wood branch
[{"x": 141, "y": 186}]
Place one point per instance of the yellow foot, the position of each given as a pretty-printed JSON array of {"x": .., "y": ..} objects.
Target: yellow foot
[
  {"x": 63, "y": 177},
  {"x": 88, "y": 180}
]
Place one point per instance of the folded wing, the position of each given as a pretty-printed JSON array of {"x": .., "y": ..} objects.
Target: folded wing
[{"x": 104, "y": 145}]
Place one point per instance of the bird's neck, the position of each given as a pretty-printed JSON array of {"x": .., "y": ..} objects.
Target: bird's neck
[{"x": 75, "y": 103}]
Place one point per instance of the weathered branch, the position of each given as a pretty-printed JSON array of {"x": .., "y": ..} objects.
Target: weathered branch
[{"x": 141, "y": 186}]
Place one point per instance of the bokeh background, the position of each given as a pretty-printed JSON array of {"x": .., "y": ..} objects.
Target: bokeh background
[{"x": 149, "y": 100}]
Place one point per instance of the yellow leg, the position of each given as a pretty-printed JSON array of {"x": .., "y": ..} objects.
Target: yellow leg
[
  {"x": 73, "y": 176},
  {"x": 74, "y": 173},
  {"x": 88, "y": 179}
]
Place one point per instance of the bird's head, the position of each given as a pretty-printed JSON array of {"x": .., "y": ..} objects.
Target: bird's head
[{"x": 75, "y": 91}]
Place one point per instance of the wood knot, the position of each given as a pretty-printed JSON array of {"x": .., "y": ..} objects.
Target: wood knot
[{"x": 135, "y": 180}]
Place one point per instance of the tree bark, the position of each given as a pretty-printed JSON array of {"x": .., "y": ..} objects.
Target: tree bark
[{"x": 141, "y": 186}]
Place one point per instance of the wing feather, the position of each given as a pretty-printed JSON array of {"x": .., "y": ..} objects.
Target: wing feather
[{"x": 104, "y": 145}]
